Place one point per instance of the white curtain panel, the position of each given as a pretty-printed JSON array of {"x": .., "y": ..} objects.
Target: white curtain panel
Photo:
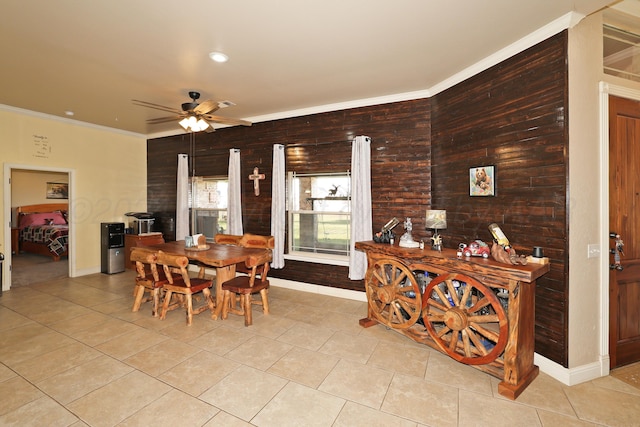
[
  {"x": 182, "y": 201},
  {"x": 361, "y": 222},
  {"x": 235, "y": 193},
  {"x": 278, "y": 205}
]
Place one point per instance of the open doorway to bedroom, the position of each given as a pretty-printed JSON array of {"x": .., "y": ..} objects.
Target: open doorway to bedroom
[{"x": 28, "y": 188}]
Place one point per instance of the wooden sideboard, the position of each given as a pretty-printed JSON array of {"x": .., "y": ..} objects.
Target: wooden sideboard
[
  {"x": 133, "y": 240},
  {"x": 478, "y": 311}
]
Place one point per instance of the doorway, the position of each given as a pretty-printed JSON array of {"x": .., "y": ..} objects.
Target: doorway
[
  {"x": 624, "y": 225},
  {"x": 40, "y": 175}
]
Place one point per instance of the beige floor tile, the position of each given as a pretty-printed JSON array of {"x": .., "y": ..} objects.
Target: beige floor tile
[
  {"x": 273, "y": 325},
  {"x": 76, "y": 382},
  {"x": 223, "y": 339},
  {"x": 223, "y": 419},
  {"x": 9, "y": 319},
  {"x": 353, "y": 414},
  {"x": 118, "y": 400},
  {"x": 127, "y": 345},
  {"x": 552, "y": 419},
  {"x": 616, "y": 384},
  {"x": 109, "y": 330},
  {"x": 38, "y": 345},
  {"x": 306, "y": 336},
  {"x": 445, "y": 370},
  {"x": 424, "y": 402},
  {"x": 80, "y": 323},
  {"x": 63, "y": 310},
  {"x": 602, "y": 405},
  {"x": 230, "y": 394},
  {"x": 161, "y": 357},
  {"x": 547, "y": 394},
  {"x": 478, "y": 409},
  {"x": 403, "y": 359},
  {"x": 304, "y": 366},
  {"x": 259, "y": 352},
  {"x": 6, "y": 373},
  {"x": 15, "y": 393},
  {"x": 350, "y": 347},
  {"x": 59, "y": 360},
  {"x": 358, "y": 383},
  {"x": 173, "y": 409},
  {"x": 198, "y": 373},
  {"x": 21, "y": 334},
  {"x": 41, "y": 412},
  {"x": 297, "y": 405}
]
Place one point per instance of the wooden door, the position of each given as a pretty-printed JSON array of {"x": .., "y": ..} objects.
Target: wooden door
[{"x": 624, "y": 219}]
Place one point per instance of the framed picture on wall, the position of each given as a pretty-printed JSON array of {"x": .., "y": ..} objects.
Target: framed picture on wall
[
  {"x": 482, "y": 181},
  {"x": 57, "y": 190}
]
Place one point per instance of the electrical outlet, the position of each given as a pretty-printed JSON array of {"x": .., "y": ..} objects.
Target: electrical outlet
[{"x": 593, "y": 250}]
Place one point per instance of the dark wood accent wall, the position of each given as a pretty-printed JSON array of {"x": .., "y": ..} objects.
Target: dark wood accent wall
[
  {"x": 513, "y": 116},
  {"x": 400, "y": 157}
]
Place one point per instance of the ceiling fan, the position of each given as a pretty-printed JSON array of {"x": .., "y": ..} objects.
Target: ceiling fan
[{"x": 194, "y": 116}]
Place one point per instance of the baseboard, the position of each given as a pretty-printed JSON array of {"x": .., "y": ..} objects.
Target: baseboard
[
  {"x": 319, "y": 289},
  {"x": 572, "y": 376}
]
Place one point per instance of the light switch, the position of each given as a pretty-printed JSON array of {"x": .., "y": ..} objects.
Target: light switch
[{"x": 593, "y": 250}]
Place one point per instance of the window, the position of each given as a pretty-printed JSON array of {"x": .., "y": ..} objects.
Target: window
[
  {"x": 208, "y": 201},
  {"x": 319, "y": 215}
]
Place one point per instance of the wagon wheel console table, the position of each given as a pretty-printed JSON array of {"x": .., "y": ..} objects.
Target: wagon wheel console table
[{"x": 478, "y": 311}]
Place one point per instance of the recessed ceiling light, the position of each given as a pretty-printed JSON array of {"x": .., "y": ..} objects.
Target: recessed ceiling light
[
  {"x": 218, "y": 57},
  {"x": 69, "y": 113}
]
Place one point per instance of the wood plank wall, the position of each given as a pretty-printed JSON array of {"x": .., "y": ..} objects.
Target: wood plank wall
[
  {"x": 512, "y": 116},
  {"x": 316, "y": 143}
]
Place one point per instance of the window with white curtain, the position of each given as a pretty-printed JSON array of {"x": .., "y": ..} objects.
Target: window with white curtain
[
  {"x": 208, "y": 200},
  {"x": 319, "y": 212}
]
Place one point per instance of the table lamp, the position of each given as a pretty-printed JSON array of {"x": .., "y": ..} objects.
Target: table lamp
[{"x": 437, "y": 220}]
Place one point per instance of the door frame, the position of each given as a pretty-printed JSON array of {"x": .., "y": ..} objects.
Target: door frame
[
  {"x": 8, "y": 167},
  {"x": 606, "y": 89}
]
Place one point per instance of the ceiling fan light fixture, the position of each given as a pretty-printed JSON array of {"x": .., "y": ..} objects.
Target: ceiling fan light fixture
[
  {"x": 218, "y": 57},
  {"x": 202, "y": 125},
  {"x": 184, "y": 123}
]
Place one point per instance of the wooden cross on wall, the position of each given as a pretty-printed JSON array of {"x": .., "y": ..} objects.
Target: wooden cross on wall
[{"x": 256, "y": 177}]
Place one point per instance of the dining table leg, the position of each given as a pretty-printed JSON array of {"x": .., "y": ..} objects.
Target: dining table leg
[{"x": 223, "y": 274}]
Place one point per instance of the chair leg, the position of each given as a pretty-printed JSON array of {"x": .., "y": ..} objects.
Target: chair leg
[
  {"x": 165, "y": 304},
  {"x": 138, "y": 294},
  {"x": 189, "y": 310},
  {"x": 225, "y": 304},
  {"x": 246, "y": 302},
  {"x": 212, "y": 307},
  {"x": 264, "y": 294},
  {"x": 156, "y": 299}
]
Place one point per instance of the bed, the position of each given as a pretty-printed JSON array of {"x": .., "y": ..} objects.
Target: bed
[{"x": 44, "y": 229}]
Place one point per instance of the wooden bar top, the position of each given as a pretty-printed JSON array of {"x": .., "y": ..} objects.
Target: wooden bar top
[{"x": 447, "y": 260}]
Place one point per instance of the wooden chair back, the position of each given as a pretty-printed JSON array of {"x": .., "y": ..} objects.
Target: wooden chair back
[
  {"x": 174, "y": 263},
  {"x": 249, "y": 240},
  {"x": 227, "y": 239},
  {"x": 145, "y": 263}
]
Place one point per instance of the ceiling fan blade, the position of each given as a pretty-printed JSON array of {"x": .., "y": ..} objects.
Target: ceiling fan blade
[
  {"x": 155, "y": 106},
  {"x": 206, "y": 107},
  {"x": 163, "y": 119},
  {"x": 226, "y": 120}
]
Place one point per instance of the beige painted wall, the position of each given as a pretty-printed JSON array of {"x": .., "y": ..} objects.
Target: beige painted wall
[
  {"x": 587, "y": 280},
  {"x": 108, "y": 168}
]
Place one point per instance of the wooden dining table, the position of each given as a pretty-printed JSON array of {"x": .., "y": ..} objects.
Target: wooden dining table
[{"x": 221, "y": 257}]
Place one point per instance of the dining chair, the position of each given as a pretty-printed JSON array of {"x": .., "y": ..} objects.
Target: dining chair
[
  {"x": 148, "y": 279},
  {"x": 184, "y": 285},
  {"x": 246, "y": 285}
]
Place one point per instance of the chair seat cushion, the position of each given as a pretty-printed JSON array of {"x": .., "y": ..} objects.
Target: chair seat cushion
[
  {"x": 242, "y": 285},
  {"x": 196, "y": 285}
]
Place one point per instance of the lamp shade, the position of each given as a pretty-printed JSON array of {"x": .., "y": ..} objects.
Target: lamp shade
[{"x": 436, "y": 219}]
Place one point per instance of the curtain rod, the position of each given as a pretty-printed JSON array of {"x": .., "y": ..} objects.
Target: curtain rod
[{"x": 309, "y": 144}]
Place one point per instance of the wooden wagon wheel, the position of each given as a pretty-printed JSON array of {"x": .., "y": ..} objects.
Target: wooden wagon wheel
[
  {"x": 467, "y": 323},
  {"x": 393, "y": 294}
]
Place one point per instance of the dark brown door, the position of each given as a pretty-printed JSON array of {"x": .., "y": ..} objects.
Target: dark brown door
[{"x": 624, "y": 219}]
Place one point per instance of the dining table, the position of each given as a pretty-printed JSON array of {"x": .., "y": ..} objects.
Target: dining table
[{"x": 221, "y": 257}]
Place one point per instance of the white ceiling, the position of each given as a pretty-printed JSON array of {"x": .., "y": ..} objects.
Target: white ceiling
[{"x": 287, "y": 57}]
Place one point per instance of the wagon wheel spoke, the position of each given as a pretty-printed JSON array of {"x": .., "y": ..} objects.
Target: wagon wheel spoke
[
  {"x": 393, "y": 294},
  {"x": 474, "y": 328}
]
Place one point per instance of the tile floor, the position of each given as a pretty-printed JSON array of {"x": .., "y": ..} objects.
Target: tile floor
[{"x": 73, "y": 354}]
